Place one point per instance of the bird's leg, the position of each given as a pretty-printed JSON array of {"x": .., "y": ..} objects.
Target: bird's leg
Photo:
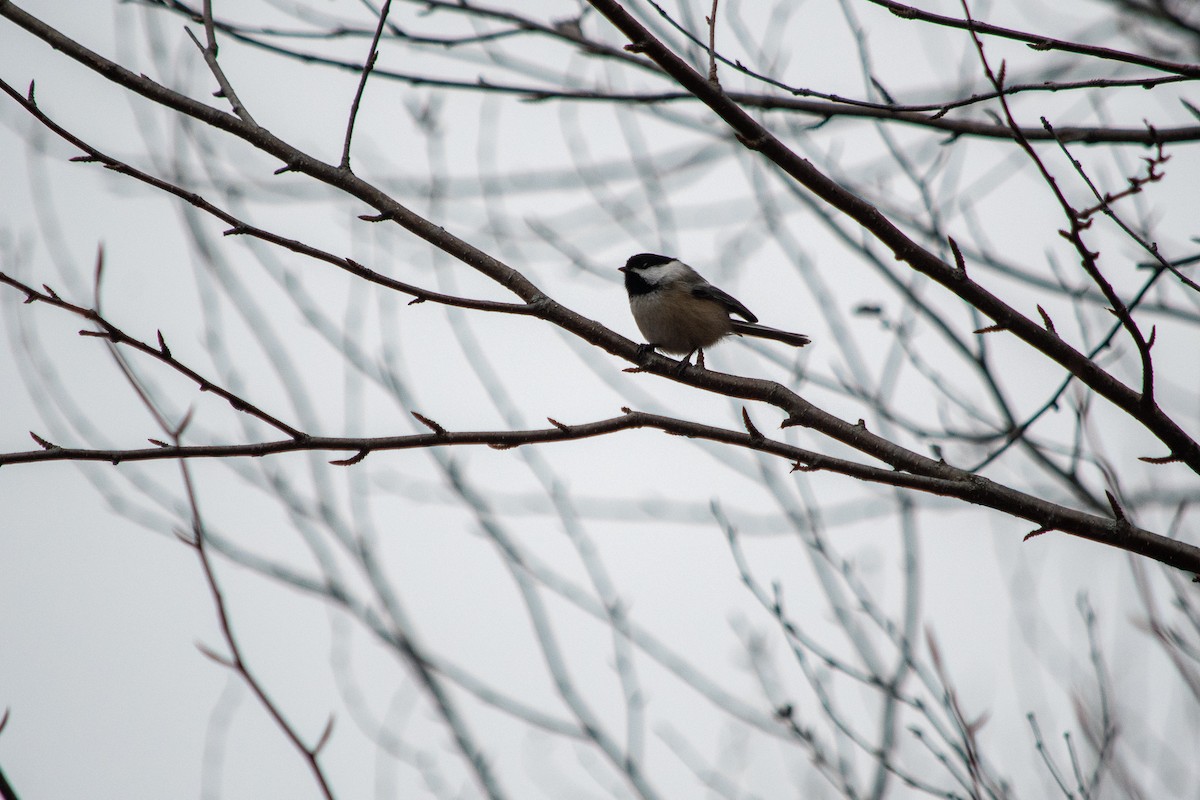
[
  {"x": 700, "y": 358},
  {"x": 685, "y": 362},
  {"x": 643, "y": 350}
]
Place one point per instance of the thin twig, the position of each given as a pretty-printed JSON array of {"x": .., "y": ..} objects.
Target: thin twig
[
  {"x": 1076, "y": 223},
  {"x": 372, "y": 57},
  {"x": 236, "y": 659},
  {"x": 920, "y": 259},
  {"x": 115, "y": 336},
  {"x": 712, "y": 45},
  {"x": 826, "y": 106},
  {"x": 1040, "y": 42},
  {"x": 1079, "y": 220},
  {"x": 209, "y": 52}
]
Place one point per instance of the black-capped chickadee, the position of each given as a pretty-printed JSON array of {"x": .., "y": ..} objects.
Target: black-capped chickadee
[{"x": 681, "y": 313}]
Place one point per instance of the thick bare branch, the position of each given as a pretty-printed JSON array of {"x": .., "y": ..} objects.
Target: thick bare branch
[
  {"x": 940, "y": 479},
  {"x": 755, "y": 137}
]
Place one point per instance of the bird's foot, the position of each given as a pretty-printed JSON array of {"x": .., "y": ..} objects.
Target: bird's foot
[{"x": 642, "y": 351}]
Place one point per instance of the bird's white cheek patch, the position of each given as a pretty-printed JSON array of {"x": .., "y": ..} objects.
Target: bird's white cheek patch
[{"x": 658, "y": 273}]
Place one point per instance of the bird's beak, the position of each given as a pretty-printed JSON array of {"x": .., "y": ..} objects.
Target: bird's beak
[{"x": 622, "y": 269}]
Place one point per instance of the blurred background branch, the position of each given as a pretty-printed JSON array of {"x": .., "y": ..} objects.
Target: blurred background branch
[{"x": 633, "y": 615}]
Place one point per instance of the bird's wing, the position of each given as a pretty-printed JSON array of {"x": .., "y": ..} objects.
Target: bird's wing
[{"x": 707, "y": 291}]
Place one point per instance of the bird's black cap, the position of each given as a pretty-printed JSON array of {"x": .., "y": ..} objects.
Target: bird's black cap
[{"x": 644, "y": 260}]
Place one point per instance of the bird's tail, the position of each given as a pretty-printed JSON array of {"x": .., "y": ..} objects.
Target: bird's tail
[{"x": 763, "y": 332}]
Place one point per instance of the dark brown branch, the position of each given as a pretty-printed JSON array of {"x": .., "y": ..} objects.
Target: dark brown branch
[
  {"x": 1079, "y": 220},
  {"x": 372, "y": 57},
  {"x": 829, "y": 107},
  {"x": 1143, "y": 136},
  {"x": 904, "y": 248},
  {"x": 890, "y": 107},
  {"x": 941, "y": 479},
  {"x": 568, "y": 31},
  {"x": 1039, "y": 41},
  {"x": 799, "y": 411},
  {"x": 712, "y": 44},
  {"x": 239, "y": 227},
  {"x": 1077, "y": 223},
  {"x": 209, "y": 51},
  {"x": 106, "y": 330}
]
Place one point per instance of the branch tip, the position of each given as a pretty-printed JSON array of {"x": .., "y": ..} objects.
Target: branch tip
[
  {"x": 324, "y": 738},
  {"x": 99, "y": 278},
  {"x": 1038, "y": 532},
  {"x": 428, "y": 423},
  {"x": 999, "y": 326},
  {"x": 45, "y": 445},
  {"x": 217, "y": 657},
  {"x": 754, "y": 432},
  {"x": 1118, "y": 512},
  {"x": 352, "y": 460},
  {"x": 183, "y": 423},
  {"x": 1160, "y": 459},
  {"x": 960, "y": 263},
  {"x": 1047, "y": 321}
]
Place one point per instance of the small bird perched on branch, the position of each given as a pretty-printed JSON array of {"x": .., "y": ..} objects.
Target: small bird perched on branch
[{"x": 681, "y": 313}]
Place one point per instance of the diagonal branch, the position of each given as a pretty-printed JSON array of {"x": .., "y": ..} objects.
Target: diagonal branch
[
  {"x": 209, "y": 51},
  {"x": 1077, "y": 222},
  {"x": 236, "y": 660},
  {"x": 239, "y": 227},
  {"x": 909, "y": 468},
  {"x": 1038, "y": 41},
  {"x": 755, "y": 137},
  {"x": 162, "y": 353}
]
